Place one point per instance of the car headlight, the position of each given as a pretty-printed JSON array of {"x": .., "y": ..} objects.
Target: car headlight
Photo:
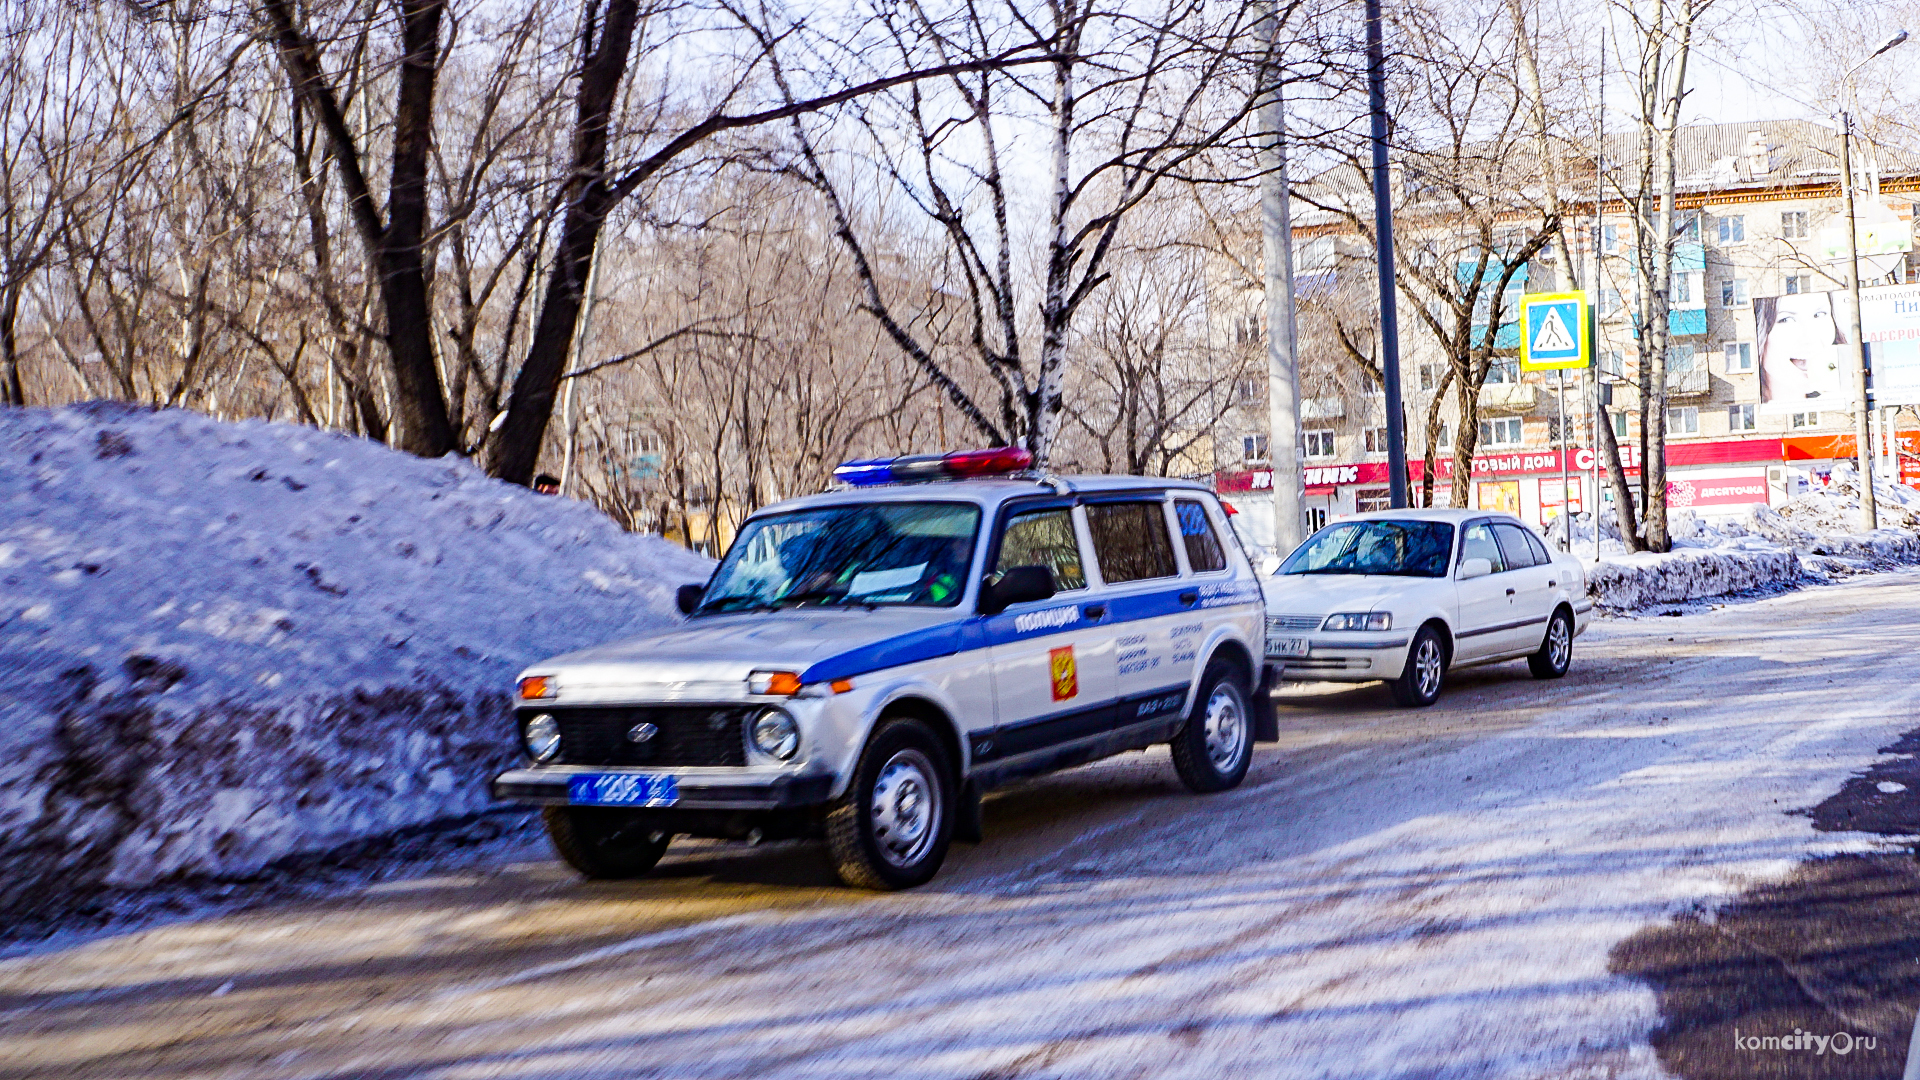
[
  {"x": 1359, "y": 620},
  {"x": 542, "y": 737},
  {"x": 776, "y": 735}
]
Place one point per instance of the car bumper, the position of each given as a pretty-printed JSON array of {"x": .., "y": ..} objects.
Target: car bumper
[
  {"x": 1347, "y": 658},
  {"x": 698, "y": 791}
]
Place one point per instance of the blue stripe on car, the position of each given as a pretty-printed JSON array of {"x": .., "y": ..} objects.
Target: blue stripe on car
[{"x": 965, "y": 635}]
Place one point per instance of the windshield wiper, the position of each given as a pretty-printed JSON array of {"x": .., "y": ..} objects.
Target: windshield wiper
[
  {"x": 714, "y": 605},
  {"x": 1327, "y": 570},
  {"x": 811, "y": 594}
]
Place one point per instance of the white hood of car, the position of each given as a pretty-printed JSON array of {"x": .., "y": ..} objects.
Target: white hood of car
[
  {"x": 713, "y": 654},
  {"x": 1324, "y": 594}
]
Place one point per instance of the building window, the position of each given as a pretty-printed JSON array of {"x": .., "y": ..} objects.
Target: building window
[
  {"x": 1740, "y": 418},
  {"x": 1503, "y": 370},
  {"x": 1553, "y": 431},
  {"x": 1799, "y": 283},
  {"x": 1680, "y": 358},
  {"x": 1806, "y": 419},
  {"x": 1733, "y": 292},
  {"x": 1376, "y": 440},
  {"x": 1690, "y": 226},
  {"x": 1739, "y": 357},
  {"x": 1793, "y": 224},
  {"x": 1505, "y": 431},
  {"x": 1613, "y": 362},
  {"x": 1253, "y": 449},
  {"x": 1610, "y": 238},
  {"x": 1733, "y": 229},
  {"x": 1682, "y": 288},
  {"x": 1610, "y": 302},
  {"x": 1320, "y": 443},
  {"x": 1250, "y": 391},
  {"x": 1619, "y": 420},
  {"x": 1444, "y": 440},
  {"x": 1429, "y": 376},
  {"x": 1683, "y": 421},
  {"x": 1367, "y": 500},
  {"x": 1246, "y": 330}
]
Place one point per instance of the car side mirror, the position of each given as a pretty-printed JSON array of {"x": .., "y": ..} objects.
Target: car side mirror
[
  {"x": 1473, "y": 568},
  {"x": 1018, "y": 585},
  {"x": 688, "y": 597}
]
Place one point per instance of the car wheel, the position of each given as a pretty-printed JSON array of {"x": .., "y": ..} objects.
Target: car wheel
[
  {"x": 605, "y": 844},
  {"x": 1556, "y": 649},
  {"x": 1213, "y": 748},
  {"x": 892, "y": 827},
  {"x": 1426, "y": 671}
]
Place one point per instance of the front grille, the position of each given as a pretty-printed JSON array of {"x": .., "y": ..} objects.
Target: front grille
[
  {"x": 1294, "y": 622},
  {"x": 686, "y": 735}
]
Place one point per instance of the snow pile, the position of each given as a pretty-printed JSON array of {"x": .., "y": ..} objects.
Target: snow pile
[
  {"x": 1628, "y": 581},
  {"x": 1809, "y": 538},
  {"x": 229, "y": 644}
]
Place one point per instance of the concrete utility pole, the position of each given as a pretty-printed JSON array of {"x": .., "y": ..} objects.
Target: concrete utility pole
[
  {"x": 1383, "y": 247},
  {"x": 1283, "y": 366},
  {"x": 1862, "y": 443}
]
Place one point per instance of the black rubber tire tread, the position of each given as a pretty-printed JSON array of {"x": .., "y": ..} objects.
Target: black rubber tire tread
[
  {"x": 1540, "y": 663},
  {"x": 1189, "y": 744},
  {"x": 1405, "y": 693},
  {"x": 581, "y": 835},
  {"x": 850, "y": 845}
]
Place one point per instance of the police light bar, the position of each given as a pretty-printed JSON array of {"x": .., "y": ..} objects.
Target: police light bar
[{"x": 959, "y": 465}]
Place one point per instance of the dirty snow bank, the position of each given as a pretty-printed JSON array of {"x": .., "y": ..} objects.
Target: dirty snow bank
[
  {"x": 229, "y": 644},
  {"x": 1809, "y": 539}
]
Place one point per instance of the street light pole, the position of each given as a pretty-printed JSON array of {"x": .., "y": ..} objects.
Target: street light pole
[
  {"x": 1383, "y": 248},
  {"x": 1856, "y": 345}
]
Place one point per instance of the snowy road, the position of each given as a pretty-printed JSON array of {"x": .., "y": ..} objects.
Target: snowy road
[{"x": 1393, "y": 893}]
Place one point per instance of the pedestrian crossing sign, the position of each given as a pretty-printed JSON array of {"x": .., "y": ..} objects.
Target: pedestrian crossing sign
[{"x": 1555, "y": 332}]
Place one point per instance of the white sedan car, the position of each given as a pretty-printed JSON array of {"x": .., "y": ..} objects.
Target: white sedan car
[{"x": 1404, "y": 595}]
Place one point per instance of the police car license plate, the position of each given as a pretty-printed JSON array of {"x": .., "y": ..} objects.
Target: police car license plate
[
  {"x": 622, "y": 789},
  {"x": 1287, "y": 646}
]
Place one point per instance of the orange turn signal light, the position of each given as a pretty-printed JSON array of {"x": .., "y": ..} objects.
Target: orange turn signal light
[
  {"x": 536, "y": 686},
  {"x": 841, "y": 686},
  {"x": 781, "y": 683}
]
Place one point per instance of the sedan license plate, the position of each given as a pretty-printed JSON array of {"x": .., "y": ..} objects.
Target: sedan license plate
[
  {"x": 622, "y": 789},
  {"x": 1287, "y": 646}
]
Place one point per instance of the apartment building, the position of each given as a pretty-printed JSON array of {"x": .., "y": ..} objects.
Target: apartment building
[{"x": 1760, "y": 216}]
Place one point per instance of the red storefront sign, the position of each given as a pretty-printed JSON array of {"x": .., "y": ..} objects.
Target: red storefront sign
[
  {"x": 1718, "y": 491},
  {"x": 1321, "y": 479}
]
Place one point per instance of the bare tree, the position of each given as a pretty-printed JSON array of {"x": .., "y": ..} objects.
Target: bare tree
[{"x": 1128, "y": 98}]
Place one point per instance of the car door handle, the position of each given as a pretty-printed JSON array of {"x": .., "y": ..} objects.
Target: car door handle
[
  {"x": 1552, "y": 584},
  {"x": 1509, "y": 592},
  {"x": 1095, "y": 611},
  {"x": 1190, "y": 597}
]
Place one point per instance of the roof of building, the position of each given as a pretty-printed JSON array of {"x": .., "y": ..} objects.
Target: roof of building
[{"x": 1754, "y": 154}]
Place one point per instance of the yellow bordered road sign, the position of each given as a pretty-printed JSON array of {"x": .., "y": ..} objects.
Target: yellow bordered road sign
[{"x": 1555, "y": 331}]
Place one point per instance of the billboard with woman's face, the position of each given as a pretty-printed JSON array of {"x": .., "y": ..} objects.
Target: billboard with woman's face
[{"x": 1801, "y": 353}]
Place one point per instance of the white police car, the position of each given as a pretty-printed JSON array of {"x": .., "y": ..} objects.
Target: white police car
[{"x": 865, "y": 662}]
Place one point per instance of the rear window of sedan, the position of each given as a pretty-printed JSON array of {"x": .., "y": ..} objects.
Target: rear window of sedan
[{"x": 1382, "y": 547}]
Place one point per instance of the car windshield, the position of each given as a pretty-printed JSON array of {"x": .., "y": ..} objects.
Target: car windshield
[
  {"x": 874, "y": 553},
  {"x": 1398, "y": 548}
]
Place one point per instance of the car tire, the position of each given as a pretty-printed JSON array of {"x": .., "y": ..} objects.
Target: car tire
[
  {"x": 1425, "y": 672},
  {"x": 603, "y": 843},
  {"x": 1212, "y": 750},
  {"x": 1556, "y": 649},
  {"x": 892, "y": 828}
]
